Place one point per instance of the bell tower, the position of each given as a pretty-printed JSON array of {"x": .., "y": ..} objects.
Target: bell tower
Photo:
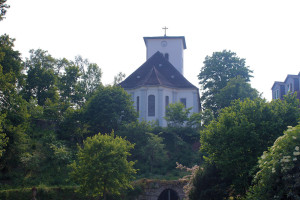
[{"x": 170, "y": 46}]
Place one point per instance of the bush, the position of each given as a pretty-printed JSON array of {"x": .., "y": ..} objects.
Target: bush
[
  {"x": 279, "y": 169},
  {"x": 43, "y": 193}
]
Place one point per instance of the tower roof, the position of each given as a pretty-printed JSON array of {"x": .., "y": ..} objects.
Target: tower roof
[
  {"x": 167, "y": 37},
  {"x": 156, "y": 71}
]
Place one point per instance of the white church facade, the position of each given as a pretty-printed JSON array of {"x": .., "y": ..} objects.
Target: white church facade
[{"x": 160, "y": 81}]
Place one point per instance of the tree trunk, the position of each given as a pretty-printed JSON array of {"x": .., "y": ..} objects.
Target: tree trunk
[{"x": 104, "y": 194}]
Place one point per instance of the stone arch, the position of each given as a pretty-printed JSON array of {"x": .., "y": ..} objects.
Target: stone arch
[
  {"x": 168, "y": 194},
  {"x": 153, "y": 189}
]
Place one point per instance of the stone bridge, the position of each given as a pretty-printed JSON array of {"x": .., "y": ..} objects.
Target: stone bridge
[{"x": 161, "y": 190}]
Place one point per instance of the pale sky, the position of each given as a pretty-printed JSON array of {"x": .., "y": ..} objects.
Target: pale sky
[{"x": 110, "y": 33}]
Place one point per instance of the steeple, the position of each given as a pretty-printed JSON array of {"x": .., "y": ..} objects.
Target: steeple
[{"x": 170, "y": 46}]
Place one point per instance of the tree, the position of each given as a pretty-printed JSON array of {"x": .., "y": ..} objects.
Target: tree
[
  {"x": 119, "y": 78},
  {"x": 69, "y": 83},
  {"x": 3, "y": 7},
  {"x": 241, "y": 133},
  {"x": 13, "y": 109},
  {"x": 90, "y": 79},
  {"x": 41, "y": 78},
  {"x": 102, "y": 165},
  {"x": 207, "y": 183},
  {"x": 236, "y": 88},
  {"x": 136, "y": 133},
  {"x": 3, "y": 138},
  {"x": 108, "y": 109},
  {"x": 218, "y": 69},
  {"x": 177, "y": 115},
  {"x": 156, "y": 153},
  {"x": 279, "y": 173}
]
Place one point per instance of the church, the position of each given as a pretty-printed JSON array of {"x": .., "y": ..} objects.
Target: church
[{"x": 160, "y": 81}]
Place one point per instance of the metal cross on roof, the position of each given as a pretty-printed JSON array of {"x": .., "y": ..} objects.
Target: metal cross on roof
[{"x": 165, "y": 30}]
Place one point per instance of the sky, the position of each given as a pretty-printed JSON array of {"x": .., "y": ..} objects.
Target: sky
[{"x": 110, "y": 33}]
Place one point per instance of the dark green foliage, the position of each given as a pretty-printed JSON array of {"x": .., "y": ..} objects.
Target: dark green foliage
[
  {"x": 175, "y": 144},
  {"x": 236, "y": 88},
  {"x": 101, "y": 167},
  {"x": 108, "y": 109},
  {"x": 136, "y": 133},
  {"x": 65, "y": 193},
  {"x": 208, "y": 184},
  {"x": 43, "y": 193},
  {"x": 90, "y": 79},
  {"x": 242, "y": 132},
  {"x": 179, "y": 150},
  {"x": 279, "y": 169},
  {"x": 218, "y": 69},
  {"x": 13, "y": 110},
  {"x": 3, "y": 8},
  {"x": 177, "y": 115},
  {"x": 41, "y": 78}
]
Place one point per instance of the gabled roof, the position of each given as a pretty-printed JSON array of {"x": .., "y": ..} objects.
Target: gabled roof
[
  {"x": 290, "y": 76},
  {"x": 156, "y": 71},
  {"x": 277, "y": 83}
]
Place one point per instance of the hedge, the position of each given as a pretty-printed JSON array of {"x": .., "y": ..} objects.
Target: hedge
[{"x": 43, "y": 193}]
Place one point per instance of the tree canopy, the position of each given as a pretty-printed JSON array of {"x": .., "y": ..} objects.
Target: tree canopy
[
  {"x": 3, "y": 9},
  {"x": 218, "y": 69},
  {"x": 236, "y": 88},
  {"x": 242, "y": 132},
  {"x": 102, "y": 165},
  {"x": 279, "y": 174},
  {"x": 108, "y": 109}
]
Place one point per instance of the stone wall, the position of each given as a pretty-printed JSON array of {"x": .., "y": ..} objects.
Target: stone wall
[{"x": 152, "y": 189}]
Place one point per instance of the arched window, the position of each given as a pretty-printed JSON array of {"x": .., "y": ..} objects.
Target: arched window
[
  {"x": 151, "y": 105},
  {"x": 138, "y": 104},
  {"x": 166, "y": 102},
  {"x": 183, "y": 101}
]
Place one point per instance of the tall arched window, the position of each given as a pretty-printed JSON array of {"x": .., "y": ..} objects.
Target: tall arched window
[
  {"x": 151, "y": 105},
  {"x": 183, "y": 101},
  {"x": 166, "y": 102},
  {"x": 138, "y": 104}
]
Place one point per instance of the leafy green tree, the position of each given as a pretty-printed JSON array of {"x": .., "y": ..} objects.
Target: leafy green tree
[
  {"x": 241, "y": 133},
  {"x": 156, "y": 153},
  {"x": 184, "y": 124},
  {"x": 41, "y": 78},
  {"x": 279, "y": 174},
  {"x": 177, "y": 115},
  {"x": 108, "y": 109},
  {"x": 90, "y": 78},
  {"x": 3, "y": 138},
  {"x": 218, "y": 69},
  {"x": 47, "y": 158},
  {"x": 102, "y": 165},
  {"x": 136, "y": 133},
  {"x": 119, "y": 78},
  {"x": 69, "y": 84},
  {"x": 3, "y": 8},
  {"x": 13, "y": 109},
  {"x": 236, "y": 88},
  {"x": 208, "y": 184}
]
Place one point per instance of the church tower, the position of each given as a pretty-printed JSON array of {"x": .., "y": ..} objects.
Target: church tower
[
  {"x": 160, "y": 81},
  {"x": 171, "y": 47}
]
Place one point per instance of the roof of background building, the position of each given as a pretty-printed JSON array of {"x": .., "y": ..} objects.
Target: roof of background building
[
  {"x": 277, "y": 83},
  {"x": 290, "y": 76},
  {"x": 156, "y": 71}
]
